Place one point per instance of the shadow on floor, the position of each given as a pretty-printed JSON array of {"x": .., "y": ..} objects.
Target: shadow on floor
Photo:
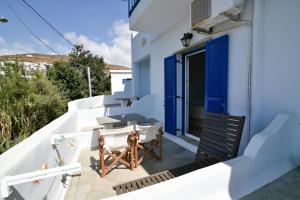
[
  {"x": 15, "y": 195},
  {"x": 285, "y": 187}
]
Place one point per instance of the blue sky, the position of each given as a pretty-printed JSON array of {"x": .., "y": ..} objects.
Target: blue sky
[{"x": 100, "y": 25}]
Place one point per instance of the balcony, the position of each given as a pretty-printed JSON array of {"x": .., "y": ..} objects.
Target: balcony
[
  {"x": 262, "y": 162},
  {"x": 156, "y": 16}
]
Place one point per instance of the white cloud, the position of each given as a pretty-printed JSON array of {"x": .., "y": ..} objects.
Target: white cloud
[
  {"x": 2, "y": 41},
  {"x": 61, "y": 49},
  {"x": 118, "y": 52},
  {"x": 16, "y": 48}
]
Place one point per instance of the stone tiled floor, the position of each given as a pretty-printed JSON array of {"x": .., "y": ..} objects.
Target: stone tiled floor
[
  {"x": 287, "y": 187},
  {"x": 189, "y": 140},
  {"x": 90, "y": 185}
]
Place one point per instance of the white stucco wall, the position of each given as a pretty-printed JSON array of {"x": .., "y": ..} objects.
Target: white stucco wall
[
  {"x": 117, "y": 77},
  {"x": 142, "y": 78},
  {"x": 276, "y": 60},
  {"x": 169, "y": 43}
]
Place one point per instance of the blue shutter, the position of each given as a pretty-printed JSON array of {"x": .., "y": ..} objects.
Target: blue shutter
[
  {"x": 216, "y": 75},
  {"x": 170, "y": 95}
]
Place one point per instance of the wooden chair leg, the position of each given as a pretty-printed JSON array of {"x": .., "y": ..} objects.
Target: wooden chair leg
[
  {"x": 161, "y": 144},
  {"x": 132, "y": 157},
  {"x": 101, "y": 156},
  {"x": 132, "y": 142}
]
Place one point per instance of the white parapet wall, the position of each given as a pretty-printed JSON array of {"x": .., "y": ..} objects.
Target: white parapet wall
[
  {"x": 94, "y": 102},
  {"x": 36, "y": 153},
  {"x": 71, "y": 132},
  {"x": 270, "y": 154},
  {"x": 87, "y": 117}
]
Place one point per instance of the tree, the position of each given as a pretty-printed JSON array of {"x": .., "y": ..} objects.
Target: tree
[
  {"x": 100, "y": 78},
  {"x": 69, "y": 80},
  {"x": 26, "y": 105}
]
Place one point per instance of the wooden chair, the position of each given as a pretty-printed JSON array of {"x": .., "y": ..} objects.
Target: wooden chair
[
  {"x": 117, "y": 145},
  {"x": 149, "y": 137},
  {"x": 219, "y": 142}
]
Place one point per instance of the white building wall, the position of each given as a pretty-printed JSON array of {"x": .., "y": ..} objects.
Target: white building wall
[
  {"x": 117, "y": 76},
  {"x": 143, "y": 79},
  {"x": 169, "y": 43},
  {"x": 276, "y": 60}
]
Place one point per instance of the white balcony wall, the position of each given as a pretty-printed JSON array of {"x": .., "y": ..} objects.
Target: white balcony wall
[
  {"x": 87, "y": 117},
  {"x": 36, "y": 151},
  {"x": 94, "y": 102}
]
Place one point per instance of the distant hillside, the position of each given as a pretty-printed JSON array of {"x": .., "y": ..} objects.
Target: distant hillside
[
  {"x": 116, "y": 67},
  {"x": 34, "y": 58}
]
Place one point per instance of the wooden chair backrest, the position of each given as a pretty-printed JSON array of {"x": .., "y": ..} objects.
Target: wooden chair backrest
[{"x": 220, "y": 138}]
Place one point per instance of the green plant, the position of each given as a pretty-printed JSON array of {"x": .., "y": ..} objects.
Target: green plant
[
  {"x": 69, "y": 80},
  {"x": 81, "y": 59},
  {"x": 26, "y": 105}
]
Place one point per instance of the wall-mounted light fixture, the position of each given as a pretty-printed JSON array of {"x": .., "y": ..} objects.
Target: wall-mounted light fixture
[
  {"x": 3, "y": 20},
  {"x": 186, "y": 39}
]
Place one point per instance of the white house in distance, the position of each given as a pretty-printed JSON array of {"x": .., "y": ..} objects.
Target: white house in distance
[
  {"x": 119, "y": 76},
  {"x": 190, "y": 57}
]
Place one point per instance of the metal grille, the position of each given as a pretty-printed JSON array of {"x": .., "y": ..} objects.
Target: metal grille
[
  {"x": 132, "y": 4},
  {"x": 200, "y": 10}
]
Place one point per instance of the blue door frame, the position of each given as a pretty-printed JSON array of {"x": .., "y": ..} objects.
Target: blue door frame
[{"x": 183, "y": 82}]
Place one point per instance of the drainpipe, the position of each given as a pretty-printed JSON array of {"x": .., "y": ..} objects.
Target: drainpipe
[{"x": 250, "y": 72}]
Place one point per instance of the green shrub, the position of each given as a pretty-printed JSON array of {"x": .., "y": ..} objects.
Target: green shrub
[{"x": 26, "y": 105}]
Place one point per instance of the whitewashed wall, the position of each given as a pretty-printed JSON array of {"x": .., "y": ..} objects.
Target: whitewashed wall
[
  {"x": 142, "y": 75},
  {"x": 94, "y": 102},
  {"x": 169, "y": 43},
  {"x": 117, "y": 76},
  {"x": 35, "y": 151},
  {"x": 276, "y": 60}
]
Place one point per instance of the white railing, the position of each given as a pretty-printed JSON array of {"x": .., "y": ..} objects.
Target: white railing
[{"x": 270, "y": 154}]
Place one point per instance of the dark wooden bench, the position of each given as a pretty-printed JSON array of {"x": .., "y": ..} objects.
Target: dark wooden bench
[{"x": 220, "y": 140}]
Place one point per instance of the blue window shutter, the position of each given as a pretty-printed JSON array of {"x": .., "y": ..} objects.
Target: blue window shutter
[
  {"x": 216, "y": 75},
  {"x": 170, "y": 95}
]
